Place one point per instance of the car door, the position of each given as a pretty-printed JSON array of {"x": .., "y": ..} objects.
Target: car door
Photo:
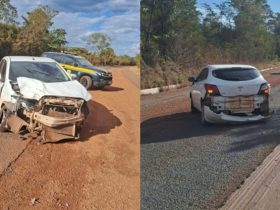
[
  {"x": 3, "y": 65},
  {"x": 198, "y": 89},
  {"x": 67, "y": 61}
]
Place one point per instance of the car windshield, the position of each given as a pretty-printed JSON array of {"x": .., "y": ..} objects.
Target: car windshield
[
  {"x": 84, "y": 62},
  {"x": 47, "y": 72},
  {"x": 236, "y": 74}
]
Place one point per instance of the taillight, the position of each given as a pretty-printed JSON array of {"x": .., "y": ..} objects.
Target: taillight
[
  {"x": 212, "y": 90},
  {"x": 264, "y": 89}
]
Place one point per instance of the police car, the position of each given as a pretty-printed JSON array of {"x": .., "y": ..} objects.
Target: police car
[{"x": 87, "y": 74}]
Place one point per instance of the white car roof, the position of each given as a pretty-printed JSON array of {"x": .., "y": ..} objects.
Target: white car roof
[
  {"x": 29, "y": 59},
  {"x": 225, "y": 66}
]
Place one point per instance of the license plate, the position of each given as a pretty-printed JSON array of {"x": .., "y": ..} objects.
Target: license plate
[{"x": 240, "y": 103}]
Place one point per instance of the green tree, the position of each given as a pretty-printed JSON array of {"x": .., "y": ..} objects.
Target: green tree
[
  {"x": 254, "y": 40},
  {"x": 8, "y": 34},
  {"x": 8, "y": 13},
  {"x": 57, "y": 39},
  {"x": 33, "y": 38},
  {"x": 107, "y": 56},
  {"x": 275, "y": 27},
  {"x": 99, "y": 42}
]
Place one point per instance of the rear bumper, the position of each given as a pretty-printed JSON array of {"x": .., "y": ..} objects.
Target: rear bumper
[{"x": 213, "y": 117}]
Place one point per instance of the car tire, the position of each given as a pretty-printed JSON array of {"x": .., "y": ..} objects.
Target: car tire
[
  {"x": 87, "y": 82},
  {"x": 203, "y": 120},
  {"x": 193, "y": 109},
  {"x": 3, "y": 119}
]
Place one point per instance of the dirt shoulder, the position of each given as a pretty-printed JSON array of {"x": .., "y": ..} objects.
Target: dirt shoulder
[{"x": 99, "y": 172}]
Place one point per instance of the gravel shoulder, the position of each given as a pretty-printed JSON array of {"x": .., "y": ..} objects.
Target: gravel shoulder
[{"x": 187, "y": 166}]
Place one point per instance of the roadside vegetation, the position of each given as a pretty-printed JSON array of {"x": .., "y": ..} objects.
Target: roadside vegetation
[
  {"x": 35, "y": 35},
  {"x": 178, "y": 38}
]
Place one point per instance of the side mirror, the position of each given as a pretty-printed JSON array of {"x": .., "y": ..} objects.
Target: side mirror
[
  {"x": 192, "y": 79},
  {"x": 73, "y": 76}
]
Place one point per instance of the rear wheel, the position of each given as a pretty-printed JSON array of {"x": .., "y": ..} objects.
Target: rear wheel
[
  {"x": 86, "y": 81},
  {"x": 193, "y": 109},
  {"x": 203, "y": 120}
]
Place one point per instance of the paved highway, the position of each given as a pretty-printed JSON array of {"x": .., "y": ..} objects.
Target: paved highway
[{"x": 188, "y": 166}]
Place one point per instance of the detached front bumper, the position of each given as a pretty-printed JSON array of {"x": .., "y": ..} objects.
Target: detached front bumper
[
  {"x": 213, "y": 117},
  {"x": 57, "y": 121}
]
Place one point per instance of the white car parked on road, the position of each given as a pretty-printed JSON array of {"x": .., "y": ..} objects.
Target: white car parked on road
[{"x": 230, "y": 93}]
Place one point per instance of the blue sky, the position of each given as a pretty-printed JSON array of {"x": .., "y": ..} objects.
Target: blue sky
[
  {"x": 274, "y": 4},
  {"x": 120, "y": 19}
]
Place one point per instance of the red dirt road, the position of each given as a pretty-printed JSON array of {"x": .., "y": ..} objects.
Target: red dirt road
[{"x": 101, "y": 171}]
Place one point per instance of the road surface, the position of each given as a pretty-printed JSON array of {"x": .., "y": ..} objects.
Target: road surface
[
  {"x": 101, "y": 171},
  {"x": 188, "y": 166}
]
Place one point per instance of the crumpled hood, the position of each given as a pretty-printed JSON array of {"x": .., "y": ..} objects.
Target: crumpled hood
[{"x": 36, "y": 89}]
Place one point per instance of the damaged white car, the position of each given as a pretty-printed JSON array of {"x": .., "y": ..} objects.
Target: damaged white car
[
  {"x": 37, "y": 96},
  {"x": 230, "y": 93}
]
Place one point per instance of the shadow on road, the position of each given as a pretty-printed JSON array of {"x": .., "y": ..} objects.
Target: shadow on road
[
  {"x": 99, "y": 121},
  {"x": 186, "y": 125},
  {"x": 177, "y": 126},
  {"x": 258, "y": 134},
  {"x": 112, "y": 89}
]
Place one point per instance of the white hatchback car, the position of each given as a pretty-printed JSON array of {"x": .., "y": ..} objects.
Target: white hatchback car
[{"x": 230, "y": 93}]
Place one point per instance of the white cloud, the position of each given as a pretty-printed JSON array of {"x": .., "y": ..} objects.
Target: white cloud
[
  {"x": 124, "y": 31},
  {"x": 117, "y": 18},
  {"x": 76, "y": 26}
]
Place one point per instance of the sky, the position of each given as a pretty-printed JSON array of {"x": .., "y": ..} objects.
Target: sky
[
  {"x": 119, "y": 19},
  {"x": 274, "y": 4}
]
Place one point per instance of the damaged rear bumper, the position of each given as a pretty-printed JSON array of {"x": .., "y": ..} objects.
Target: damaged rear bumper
[
  {"x": 237, "y": 109},
  {"x": 213, "y": 117}
]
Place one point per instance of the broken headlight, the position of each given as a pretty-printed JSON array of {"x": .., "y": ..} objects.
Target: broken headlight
[{"x": 27, "y": 103}]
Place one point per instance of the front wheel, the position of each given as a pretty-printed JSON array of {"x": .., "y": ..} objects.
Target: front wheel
[{"x": 86, "y": 81}]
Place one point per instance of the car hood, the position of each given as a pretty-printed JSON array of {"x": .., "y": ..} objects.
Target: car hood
[
  {"x": 36, "y": 89},
  {"x": 96, "y": 69}
]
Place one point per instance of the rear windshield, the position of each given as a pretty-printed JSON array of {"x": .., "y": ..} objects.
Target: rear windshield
[
  {"x": 44, "y": 71},
  {"x": 236, "y": 74}
]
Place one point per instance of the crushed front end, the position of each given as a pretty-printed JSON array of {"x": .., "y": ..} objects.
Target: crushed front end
[{"x": 54, "y": 118}]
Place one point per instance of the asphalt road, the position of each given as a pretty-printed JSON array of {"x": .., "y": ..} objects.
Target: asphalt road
[{"x": 188, "y": 166}]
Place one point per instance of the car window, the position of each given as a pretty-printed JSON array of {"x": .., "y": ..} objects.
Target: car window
[
  {"x": 236, "y": 74},
  {"x": 203, "y": 75},
  {"x": 3, "y": 65},
  {"x": 44, "y": 71},
  {"x": 68, "y": 60},
  {"x": 58, "y": 58},
  {"x": 83, "y": 62}
]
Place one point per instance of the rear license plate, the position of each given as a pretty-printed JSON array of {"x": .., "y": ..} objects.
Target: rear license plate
[{"x": 240, "y": 103}]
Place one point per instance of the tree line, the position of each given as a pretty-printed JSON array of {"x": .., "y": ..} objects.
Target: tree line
[
  {"x": 35, "y": 36},
  {"x": 178, "y": 38}
]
